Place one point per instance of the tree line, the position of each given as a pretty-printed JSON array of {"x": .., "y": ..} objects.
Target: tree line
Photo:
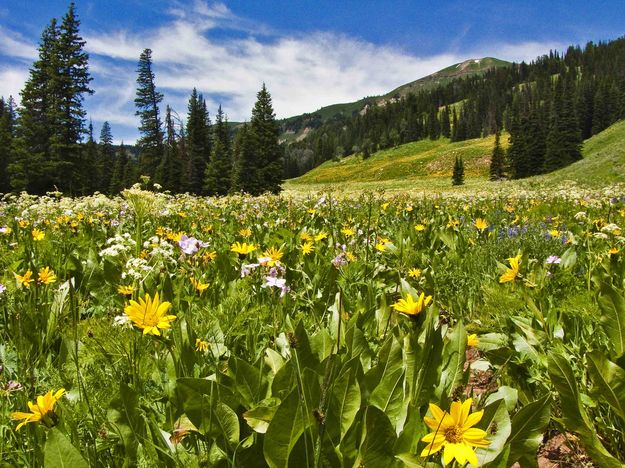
[
  {"x": 47, "y": 145},
  {"x": 548, "y": 107}
]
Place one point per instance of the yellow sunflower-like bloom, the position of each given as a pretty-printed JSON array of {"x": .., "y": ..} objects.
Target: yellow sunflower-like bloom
[
  {"x": 41, "y": 411},
  {"x": 480, "y": 224},
  {"x": 197, "y": 284},
  {"x": 454, "y": 433},
  {"x": 38, "y": 235},
  {"x": 245, "y": 232},
  {"x": 307, "y": 247},
  {"x": 348, "y": 232},
  {"x": 273, "y": 254},
  {"x": 512, "y": 272},
  {"x": 242, "y": 249},
  {"x": 409, "y": 306},
  {"x": 25, "y": 279},
  {"x": 149, "y": 314},
  {"x": 46, "y": 276},
  {"x": 414, "y": 272},
  {"x": 201, "y": 345},
  {"x": 473, "y": 340},
  {"x": 320, "y": 236},
  {"x": 125, "y": 290}
]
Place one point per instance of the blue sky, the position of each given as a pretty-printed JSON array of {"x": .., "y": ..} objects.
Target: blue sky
[{"x": 310, "y": 53}]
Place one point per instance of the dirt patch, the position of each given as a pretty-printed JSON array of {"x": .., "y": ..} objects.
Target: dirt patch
[{"x": 563, "y": 450}]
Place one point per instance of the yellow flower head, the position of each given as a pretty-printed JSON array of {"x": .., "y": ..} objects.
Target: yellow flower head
[
  {"x": 198, "y": 285},
  {"x": 322, "y": 235},
  {"x": 348, "y": 232},
  {"x": 414, "y": 273},
  {"x": 473, "y": 340},
  {"x": 201, "y": 345},
  {"x": 305, "y": 237},
  {"x": 125, "y": 290},
  {"x": 46, "y": 276},
  {"x": 419, "y": 227},
  {"x": 245, "y": 233},
  {"x": 350, "y": 257},
  {"x": 209, "y": 256},
  {"x": 175, "y": 236},
  {"x": 38, "y": 235},
  {"x": 25, "y": 279},
  {"x": 512, "y": 272},
  {"x": 409, "y": 306},
  {"x": 480, "y": 224},
  {"x": 149, "y": 314},
  {"x": 614, "y": 251},
  {"x": 41, "y": 411},
  {"x": 23, "y": 223},
  {"x": 454, "y": 433},
  {"x": 273, "y": 254},
  {"x": 242, "y": 249},
  {"x": 307, "y": 247},
  {"x": 453, "y": 223}
]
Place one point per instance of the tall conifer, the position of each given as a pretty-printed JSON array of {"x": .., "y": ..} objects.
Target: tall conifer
[{"x": 265, "y": 132}]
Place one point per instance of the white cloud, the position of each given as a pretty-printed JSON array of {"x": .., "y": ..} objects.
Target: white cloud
[
  {"x": 12, "y": 81},
  {"x": 14, "y": 45},
  {"x": 524, "y": 51}
]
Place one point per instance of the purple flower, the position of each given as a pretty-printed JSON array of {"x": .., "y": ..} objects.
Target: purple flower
[
  {"x": 273, "y": 282},
  {"x": 339, "y": 260},
  {"x": 553, "y": 260},
  {"x": 190, "y": 245},
  {"x": 2, "y": 288}
]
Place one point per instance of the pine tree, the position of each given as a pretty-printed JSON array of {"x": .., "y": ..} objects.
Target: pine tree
[
  {"x": 244, "y": 176},
  {"x": 497, "y": 160},
  {"x": 7, "y": 133},
  {"x": 148, "y": 98},
  {"x": 106, "y": 158},
  {"x": 457, "y": 177},
  {"x": 69, "y": 82},
  {"x": 120, "y": 171},
  {"x": 265, "y": 132},
  {"x": 89, "y": 178},
  {"x": 198, "y": 142},
  {"x": 171, "y": 166},
  {"x": 217, "y": 180},
  {"x": 28, "y": 170},
  {"x": 445, "y": 123}
]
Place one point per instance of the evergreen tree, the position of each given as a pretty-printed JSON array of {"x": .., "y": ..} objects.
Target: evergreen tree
[
  {"x": 457, "y": 177},
  {"x": 445, "y": 123},
  {"x": 29, "y": 168},
  {"x": 244, "y": 176},
  {"x": 120, "y": 171},
  {"x": 265, "y": 132},
  {"x": 497, "y": 160},
  {"x": 7, "y": 131},
  {"x": 171, "y": 167},
  {"x": 90, "y": 160},
  {"x": 217, "y": 179},
  {"x": 69, "y": 81},
  {"x": 106, "y": 158},
  {"x": 198, "y": 142},
  {"x": 148, "y": 98}
]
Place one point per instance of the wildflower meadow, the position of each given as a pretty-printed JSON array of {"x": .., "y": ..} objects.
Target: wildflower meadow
[{"x": 379, "y": 330}]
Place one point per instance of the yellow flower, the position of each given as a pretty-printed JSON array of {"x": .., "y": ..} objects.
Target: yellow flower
[
  {"x": 348, "y": 232},
  {"x": 311, "y": 211},
  {"x": 6, "y": 231},
  {"x": 23, "y": 223},
  {"x": 385, "y": 206},
  {"x": 480, "y": 224},
  {"x": 305, "y": 237},
  {"x": 350, "y": 257},
  {"x": 245, "y": 233},
  {"x": 201, "y": 287},
  {"x": 307, "y": 247},
  {"x": 274, "y": 254},
  {"x": 322, "y": 235},
  {"x": 411, "y": 307},
  {"x": 175, "y": 236},
  {"x": 38, "y": 235},
  {"x": 509, "y": 208},
  {"x": 454, "y": 433},
  {"x": 242, "y": 249},
  {"x": 512, "y": 272},
  {"x": 554, "y": 233},
  {"x": 614, "y": 251},
  {"x": 149, "y": 314},
  {"x": 419, "y": 227},
  {"x": 25, "y": 279},
  {"x": 414, "y": 273},
  {"x": 182, "y": 214},
  {"x": 453, "y": 223},
  {"x": 125, "y": 290},
  {"x": 209, "y": 256},
  {"x": 201, "y": 345},
  {"x": 473, "y": 340},
  {"x": 380, "y": 246},
  {"x": 41, "y": 411},
  {"x": 46, "y": 276}
]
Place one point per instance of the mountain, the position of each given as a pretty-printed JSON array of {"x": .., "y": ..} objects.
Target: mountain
[{"x": 296, "y": 127}]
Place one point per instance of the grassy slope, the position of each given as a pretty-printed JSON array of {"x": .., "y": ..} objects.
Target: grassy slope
[{"x": 427, "y": 165}]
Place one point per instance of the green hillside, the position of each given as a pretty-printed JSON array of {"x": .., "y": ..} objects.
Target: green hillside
[{"x": 427, "y": 165}]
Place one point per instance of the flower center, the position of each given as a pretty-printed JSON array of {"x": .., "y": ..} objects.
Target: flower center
[{"x": 453, "y": 434}]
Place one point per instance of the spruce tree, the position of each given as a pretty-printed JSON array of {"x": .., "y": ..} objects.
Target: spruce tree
[
  {"x": 457, "y": 177},
  {"x": 89, "y": 178},
  {"x": 198, "y": 142},
  {"x": 244, "y": 176},
  {"x": 217, "y": 180},
  {"x": 150, "y": 142},
  {"x": 265, "y": 132},
  {"x": 7, "y": 131},
  {"x": 106, "y": 158},
  {"x": 445, "y": 123},
  {"x": 497, "y": 160},
  {"x": 171, "y": 167},
  {"x": 120, "y": 176}
]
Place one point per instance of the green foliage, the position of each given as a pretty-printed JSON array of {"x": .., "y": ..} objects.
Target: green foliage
[{"x": 457, "y": 177}]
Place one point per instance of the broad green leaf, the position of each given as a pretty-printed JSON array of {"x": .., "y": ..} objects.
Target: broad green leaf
[
  {"x": 508, "y": 394},
  {"x": 612, "y": 307},
  {"x": 452, "y": 372},
  {"x": 609, "y": 380},
  {"x": 286, "y": 427},
  {"x": 59, "y": 452},
  {"x": 528, "y": 427},
  {"x": 259, "y": 418},
  {"x": 345, "y": 399},
  {"x": 496, "y": 423},
  {"x": 228, "y": 422},
  {"x": 574, "y": 417},
  {"x": 378, "y": 439}
]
